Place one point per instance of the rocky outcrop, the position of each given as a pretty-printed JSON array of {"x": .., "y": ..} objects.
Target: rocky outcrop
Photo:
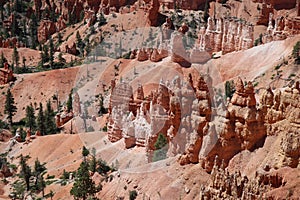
[
  {"x": 5, "y": 135},
  {"x": 72, "y": 49},
  {"x": 178, "y": 52},
  {"x": 45, "y": 30},
  {"x": 179, "y": 111},
  {"x": 63, "y": 117},
  {"x": 6, "y": 74},
  {"x": 225, "y": 35},
  {"x": 241, "y": 128},
  {"x": 185, "y": 4},
  {"x": 198, "y": 131},
  {"x": 281, "y": 29},
  {"x": 224, "y": 185},
  {"x": 153, "y": 13},
  {"x": 282, "y": 114}
]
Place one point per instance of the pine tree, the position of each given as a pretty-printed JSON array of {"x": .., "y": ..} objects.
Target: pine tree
[
  {"x": 10, "y": 108},
  {"x": 229, "y": 89},
  {"x": 45, "y": 53},
  {"x": 2, "y": 3},
  {"x": 30, "y": 118},
  {"x": 51, "y": 53},
  {"x": 39, "y": 171},
  {"x": 206, "y": 11},
  {"x": 24, "y": 62},
  {"x": 85, "y": 152},
  {"x": 2, "y": 60},
  {"x": 102, "y": 20},
  {"x": 16, "y": 57},
  {"x": 33, "y": 30},
  {"x": 49, "y": 119},
  {"x": 93, "y": 161},
  {"x": 41, "y": 120},
  {"x": 25, "y": 171},
  {"x": 84, "y": 187},
  {"x": 69, "y": 102},
  {"x": 79, "y": 43},
  {"x": 59, "y": 38}
]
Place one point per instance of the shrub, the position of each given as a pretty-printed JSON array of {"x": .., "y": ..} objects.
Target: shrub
[
  {"x": 132, "y": 194},
  {"x": 229, "y": 89},
  {"x": 296, "y": 52},
  {"x": 161, "y": 148}
]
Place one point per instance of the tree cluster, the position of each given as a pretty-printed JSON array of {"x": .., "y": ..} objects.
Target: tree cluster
[
  {"x": 44, "y": 122},
  {"x": 30, "y": 180}
]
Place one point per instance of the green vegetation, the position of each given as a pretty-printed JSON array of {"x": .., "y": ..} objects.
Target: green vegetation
[
  {"x": 69, "y": 102},
  {"x": 132, "y": 194},
  {"x": 161, "y": 148},
  {"x": 50, "y": 126},
  {"x": 295, "y": 53},
  {"x": 40, "y": 120},
  {"x": 10, "y": 108},
  {"x": 229, "y": 89},
  {"x": 84, "y": 187},
  {"x": 30, "y": 118},
  {"x": 30, "y": 181}
]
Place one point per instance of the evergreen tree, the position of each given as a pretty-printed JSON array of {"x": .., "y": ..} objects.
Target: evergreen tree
[
  {"x": 49, "y": 119},
  {"x": 161, "y": 148},
  {"x": 33, "y": 30},
  {"x": 10, "y": 107},
  {"x": 79, "y": 43},
  {"x": 206, "y": 11},
  {"x": 25, "y": 171},
  {"x": 93, "y": 161},
  {"x": 69, "y": 102},
  {"x": 39, "y": 171},
  {"x": 8, "y": 9},
  {"x": 102, "y": 20},
  {"x": 24, "y": 62},
  {"x": 51, "y": 53},
  {"x": 61, "y": 60},
  {"x": 30, "y": 118},
  {"x": 41, "y": 120},
  {"x": 59, "y": 38},
  {"x": 16, "y": 57},
  {"x": 2, "y": 60},
  {"x": 45, "y": 53},
  {"x": 84, "y": 187},
  {"x": 2, "y": 3},
  {"x": 229, "y": 89},
  {"x": 85, "y": 152}
]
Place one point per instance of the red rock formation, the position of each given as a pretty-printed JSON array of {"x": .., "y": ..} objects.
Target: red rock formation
[
  {"x": 242, "y": 128},
  {"x": 224, "y": 185},
  {"x": 45, "y": 30},
  {"x": 185, "y": 4},
  {"x": 142, "y": 55},
  {"x": 226, "y": 35},
  {"x": 72, "y": 49},
  {"x": 63, "y": 117},
  {"x": 6, "y": 75},
  {"x": 153, "y": 12},
  {"x": 76, "y": 105},
  {"x": 5, "y": 135}
]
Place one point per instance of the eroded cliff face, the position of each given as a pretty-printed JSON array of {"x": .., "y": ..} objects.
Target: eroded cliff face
[
  {"x": 282, "y": 118},
  {"x": 194, "y": 127},
  {"x": 179, "y": 111},
  {"x": 240, "y": 127},
  {"x": 225, "y": 185}
]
